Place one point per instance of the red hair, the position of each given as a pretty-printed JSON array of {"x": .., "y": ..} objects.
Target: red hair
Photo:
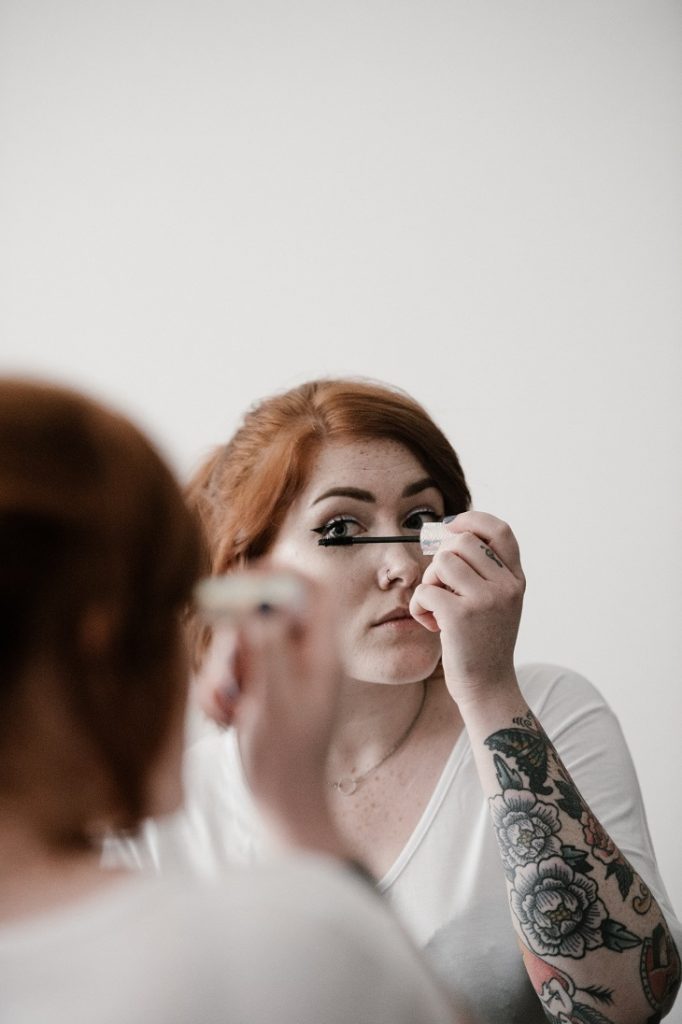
[
  {"x": 245, "y": 488},
  {"x": 98, "y": 554}
]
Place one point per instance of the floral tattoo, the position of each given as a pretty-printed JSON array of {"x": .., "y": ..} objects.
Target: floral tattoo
[{"x": 554, "y": 892}]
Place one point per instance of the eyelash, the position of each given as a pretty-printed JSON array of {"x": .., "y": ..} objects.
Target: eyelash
[
  {"x": 426, "y": 509},
  {"x": 327, "y": 526},
  {"x": 325, "y": 529}
]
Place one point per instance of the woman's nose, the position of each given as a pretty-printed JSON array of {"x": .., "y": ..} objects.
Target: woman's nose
[{"x": 399, "y": 566}]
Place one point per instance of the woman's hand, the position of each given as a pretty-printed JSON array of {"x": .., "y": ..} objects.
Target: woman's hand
[
  {"x": 288, "y": 675},
  {"x": 472, "y": 592},
  {"x": 274, "y": 674}
]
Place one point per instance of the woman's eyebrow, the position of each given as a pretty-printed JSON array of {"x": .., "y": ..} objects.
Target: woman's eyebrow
[
  {"x": 420, "y": 485},
  {"x": 345, "y": 492},
  {"x": 360, "y": 495}
]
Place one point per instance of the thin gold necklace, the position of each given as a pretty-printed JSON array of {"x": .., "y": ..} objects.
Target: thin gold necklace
[{"x": 347, "y": 784}]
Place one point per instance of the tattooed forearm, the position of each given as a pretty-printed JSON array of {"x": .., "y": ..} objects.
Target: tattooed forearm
[
  {"x": 555, "y": 903},
  {"x": 660, "y": 969},
  {"x": 558, "y": 860},
  {"x": 561, "y": 998}
]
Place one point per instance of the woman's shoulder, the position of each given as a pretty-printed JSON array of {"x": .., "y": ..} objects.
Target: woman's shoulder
[
  {"x": 310, "y": 889},
  {"x": 307, "y": 927},
  {"x": 545, "y": 684},
  {"x": 321, "y": 936}
]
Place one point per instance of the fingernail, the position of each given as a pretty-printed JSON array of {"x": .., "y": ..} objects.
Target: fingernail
[{"x": 448, "y": 519}]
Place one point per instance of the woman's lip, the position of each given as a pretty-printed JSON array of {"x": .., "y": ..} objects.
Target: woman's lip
[
  {"x": 407, "y": 621},
  {"x": 395, "y": 620}
]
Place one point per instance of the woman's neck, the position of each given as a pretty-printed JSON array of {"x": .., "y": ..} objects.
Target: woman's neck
[
  {"x": 36, "y": 878},
  {"x": 372, "y": 716}
]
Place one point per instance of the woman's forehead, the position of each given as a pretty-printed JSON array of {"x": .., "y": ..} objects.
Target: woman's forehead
[{"x": 365, "y": 463}]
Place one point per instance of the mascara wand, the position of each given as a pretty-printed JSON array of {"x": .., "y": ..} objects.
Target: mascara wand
[
  {"x": 430, "y": 536},
  {"x": 342, "y": 542}
]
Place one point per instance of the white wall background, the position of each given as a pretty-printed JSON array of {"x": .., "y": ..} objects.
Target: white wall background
[{"x": 202, "y": 202}]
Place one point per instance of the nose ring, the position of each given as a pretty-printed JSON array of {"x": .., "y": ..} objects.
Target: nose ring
[{"x": 389, "y": 578}]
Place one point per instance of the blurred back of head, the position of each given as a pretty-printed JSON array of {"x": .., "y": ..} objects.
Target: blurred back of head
[{"x": 98, "y": 554}]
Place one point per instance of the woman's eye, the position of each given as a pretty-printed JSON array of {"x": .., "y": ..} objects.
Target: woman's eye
[
  {"x": 416, "y": 519},
  {"x": 341, "y": 526}
]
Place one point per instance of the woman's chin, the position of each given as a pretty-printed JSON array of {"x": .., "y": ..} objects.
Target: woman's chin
[{"x": 395, "y": 670}]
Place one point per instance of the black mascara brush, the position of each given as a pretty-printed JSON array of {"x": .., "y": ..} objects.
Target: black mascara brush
[
  {"x": 429, "y": 537},
  {"x": 342, "y": 542}
]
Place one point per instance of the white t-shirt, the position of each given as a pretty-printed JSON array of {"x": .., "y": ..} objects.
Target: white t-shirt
[
  {"x": 292, "y": 943},
  {"x": 447, "y": 884}
]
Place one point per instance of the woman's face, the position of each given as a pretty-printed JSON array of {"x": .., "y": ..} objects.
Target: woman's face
[{"x": 367, "y": 487}]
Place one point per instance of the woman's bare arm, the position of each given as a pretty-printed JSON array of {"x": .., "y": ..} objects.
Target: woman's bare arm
[{"x": 595, "y": 943}]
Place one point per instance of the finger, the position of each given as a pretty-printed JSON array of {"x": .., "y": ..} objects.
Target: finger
[
  {"x": 265, "y": 655},
  {"x": 476, "y": 553},
  {"x": 430, "y": 605},
  {"x": 322, "y": 630},
  {"x": 216, "y": 680},
  {"x": 423, "y": 617},
  {"x": 498, "y": 535},
  {"x": 451, "y": 569}
]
